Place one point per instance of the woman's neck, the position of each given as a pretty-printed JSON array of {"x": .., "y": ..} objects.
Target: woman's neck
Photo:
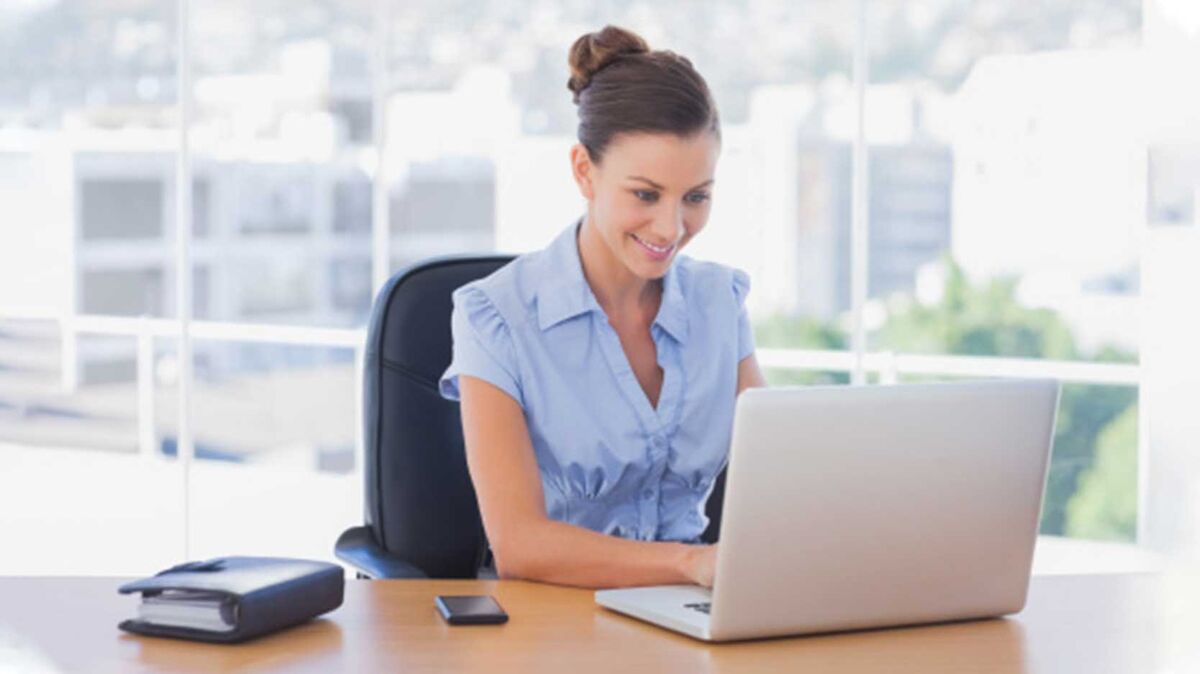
[{"x": 621, "y": 294}]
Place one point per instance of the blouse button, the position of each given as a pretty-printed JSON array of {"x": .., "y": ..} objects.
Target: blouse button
[
  {"x": 658, "y": 442},
  {"x": 647, "y": 494}
]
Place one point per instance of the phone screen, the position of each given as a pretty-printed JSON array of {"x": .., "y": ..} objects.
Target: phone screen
[{"x": 471, "y": 610}]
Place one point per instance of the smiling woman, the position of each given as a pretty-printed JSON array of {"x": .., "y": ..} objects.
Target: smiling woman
[{"x": 598, "y": 376}]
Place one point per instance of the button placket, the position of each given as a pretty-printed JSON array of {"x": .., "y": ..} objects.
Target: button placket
[
  {"x": 650, "y": 504},
  {"x": 655, "y": 420}
]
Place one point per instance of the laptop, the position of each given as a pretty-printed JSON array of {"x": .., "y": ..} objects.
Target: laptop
[{"x": 854, "y": 507}]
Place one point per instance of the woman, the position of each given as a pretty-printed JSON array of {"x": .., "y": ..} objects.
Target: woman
[{"x": 598, "y": 376}]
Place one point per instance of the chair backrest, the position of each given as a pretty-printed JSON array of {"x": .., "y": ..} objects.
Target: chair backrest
[
  {"x": 420, "y": 505},
  {"x": 713, "y": 509}
]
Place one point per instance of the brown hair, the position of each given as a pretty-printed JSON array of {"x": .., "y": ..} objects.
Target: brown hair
[{"x": 621, "y": 85}]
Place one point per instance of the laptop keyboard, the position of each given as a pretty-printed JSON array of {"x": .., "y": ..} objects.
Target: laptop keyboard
[{"x": 702, "y": 606}]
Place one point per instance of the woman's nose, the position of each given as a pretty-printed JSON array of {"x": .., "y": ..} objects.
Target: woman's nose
[{"x": 668, "y": 227}]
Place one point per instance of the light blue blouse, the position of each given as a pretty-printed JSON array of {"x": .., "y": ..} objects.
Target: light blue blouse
[{"x": 610, "y": 461}]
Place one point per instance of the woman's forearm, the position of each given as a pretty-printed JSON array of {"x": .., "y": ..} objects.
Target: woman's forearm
[{"x": 556, "y": 552}]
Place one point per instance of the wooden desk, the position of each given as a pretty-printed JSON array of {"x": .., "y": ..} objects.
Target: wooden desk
[{"x": 1092, "y": 624}]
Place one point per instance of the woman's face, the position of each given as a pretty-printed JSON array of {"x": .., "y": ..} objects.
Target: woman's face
[{"x": 650, "y": 194}]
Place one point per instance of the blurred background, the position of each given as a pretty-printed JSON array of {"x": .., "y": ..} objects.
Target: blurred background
[{"x": 1027, "y": 174}]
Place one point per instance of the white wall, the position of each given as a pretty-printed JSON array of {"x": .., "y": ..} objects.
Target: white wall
[{"x": 1171, "y": 389}]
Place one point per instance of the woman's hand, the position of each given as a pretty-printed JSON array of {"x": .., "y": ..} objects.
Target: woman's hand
[{"x": 700, "y": 564}]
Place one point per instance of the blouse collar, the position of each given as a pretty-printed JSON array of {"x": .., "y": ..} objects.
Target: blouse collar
[{"x": 564, "y": 292}]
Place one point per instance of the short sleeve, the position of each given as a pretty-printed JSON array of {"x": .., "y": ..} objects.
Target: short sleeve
[
  {"x": 483, "y": 346},
  {"x": 741, "y": 288}
]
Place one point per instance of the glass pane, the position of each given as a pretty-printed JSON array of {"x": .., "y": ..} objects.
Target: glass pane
[
  {"x": 1092, "y": 491},
  {"x": 283, "y": 148},
  {"x": 274, "y": 431},
  {"x": 87, "y": 140},
  {"x": 81, "y": 460},
  {"x": 1007, "y": 179},
  {"x": 283, "y": 158}
]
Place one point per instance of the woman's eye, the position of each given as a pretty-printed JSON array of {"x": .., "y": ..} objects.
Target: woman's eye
[
  {"x": 697, "y": 197},
  {"x": 646, "y": 195}
]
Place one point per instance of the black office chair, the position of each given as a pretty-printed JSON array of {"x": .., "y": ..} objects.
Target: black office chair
[{"x": 422, "y": 519}]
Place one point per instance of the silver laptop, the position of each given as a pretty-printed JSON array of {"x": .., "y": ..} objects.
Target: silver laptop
[{"x": 850, "y": 507}]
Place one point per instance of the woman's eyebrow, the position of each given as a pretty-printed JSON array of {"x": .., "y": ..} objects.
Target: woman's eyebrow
[{"x": 659, "y": 187}]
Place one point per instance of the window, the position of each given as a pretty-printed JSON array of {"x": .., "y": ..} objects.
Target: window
[
  {"x": 989, "y": 220},
  {"x": 120, "y": 209},
  {"x": 122, "y": 292}
]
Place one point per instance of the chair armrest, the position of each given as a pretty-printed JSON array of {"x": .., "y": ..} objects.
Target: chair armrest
[{"x": 357, "y": 547}]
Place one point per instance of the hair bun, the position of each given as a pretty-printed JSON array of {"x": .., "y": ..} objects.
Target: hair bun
[{"x": 593, "y": 51}]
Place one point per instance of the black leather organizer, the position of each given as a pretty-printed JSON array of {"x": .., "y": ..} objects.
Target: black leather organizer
[{"x": 257, "y": 595}]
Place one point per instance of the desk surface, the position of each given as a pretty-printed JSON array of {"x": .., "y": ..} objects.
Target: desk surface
[{"x": 1092, "y": 624}]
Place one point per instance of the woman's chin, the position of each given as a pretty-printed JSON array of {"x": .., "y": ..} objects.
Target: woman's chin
[{"x": 650, "y": 270}]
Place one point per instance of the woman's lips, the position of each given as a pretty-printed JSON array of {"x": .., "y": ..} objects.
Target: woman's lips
[{"x": 657, "y": 253}]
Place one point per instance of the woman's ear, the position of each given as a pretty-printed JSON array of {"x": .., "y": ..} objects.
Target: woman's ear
[{"x": 583, "y": 170}]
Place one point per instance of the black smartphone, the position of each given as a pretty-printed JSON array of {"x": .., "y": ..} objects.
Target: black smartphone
[{"x": 471, "y": 610}]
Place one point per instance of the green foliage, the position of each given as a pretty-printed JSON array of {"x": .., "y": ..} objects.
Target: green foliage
[
  {"x": 797, "y": 332},
  {"x": 784, "y": 377},
  {"x": 1105, "y": 505},
  {"x": 984, "y": 321},
  {"x": 1084, "y": 413},
  {"x": 1111, "y": 354},
  {"x": 787, "y": 332}
]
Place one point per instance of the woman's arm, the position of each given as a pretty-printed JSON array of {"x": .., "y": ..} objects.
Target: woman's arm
[
  {"x": 749, "y": 374},
  {"x": 525, "y": 541}
]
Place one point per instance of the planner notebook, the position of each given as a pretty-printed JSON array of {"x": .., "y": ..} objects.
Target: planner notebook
[
  {"x": 210, "y": 611},
  {"x": 231, "y": 599}
]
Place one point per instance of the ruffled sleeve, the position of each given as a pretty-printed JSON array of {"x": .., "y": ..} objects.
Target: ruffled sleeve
[
  {"x": 741, "y": 288},
  {"x": 483, "y": 346}
]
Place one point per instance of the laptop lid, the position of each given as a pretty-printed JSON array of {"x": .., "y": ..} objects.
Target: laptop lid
[{"x": 861, "y": 506}]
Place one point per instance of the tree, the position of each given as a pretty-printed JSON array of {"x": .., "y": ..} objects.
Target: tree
[{"x": 1105, "y": 504}]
